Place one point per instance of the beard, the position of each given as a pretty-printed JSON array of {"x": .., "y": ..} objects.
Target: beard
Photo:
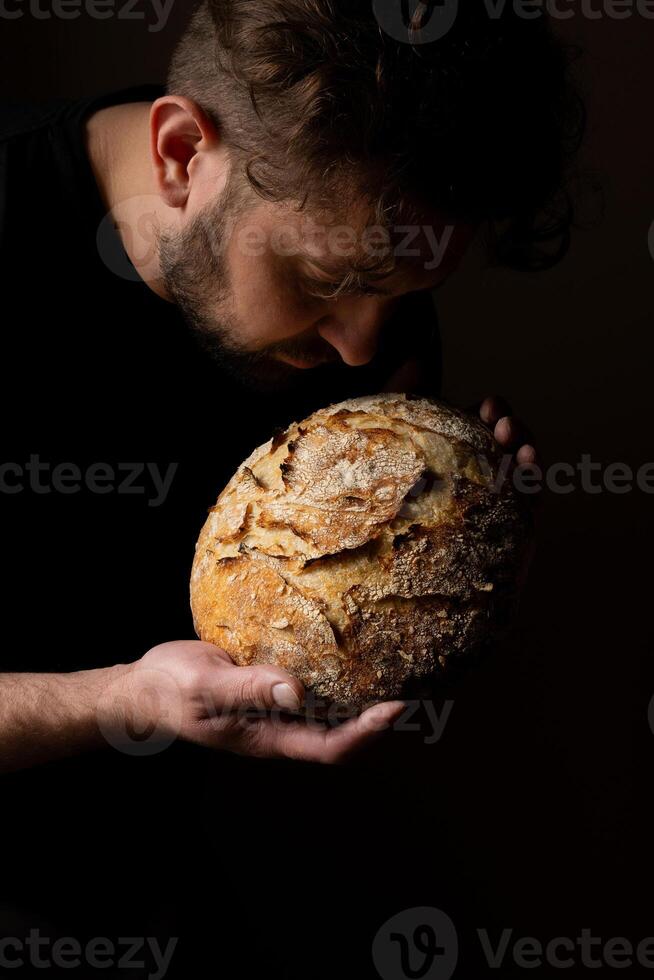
[{"x": 194, "y": 269}]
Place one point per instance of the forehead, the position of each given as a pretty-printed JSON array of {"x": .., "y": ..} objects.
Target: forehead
[{"x": 337, "y": 243}]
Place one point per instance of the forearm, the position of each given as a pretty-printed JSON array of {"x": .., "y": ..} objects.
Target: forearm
[{"x": 44, "y": 717}]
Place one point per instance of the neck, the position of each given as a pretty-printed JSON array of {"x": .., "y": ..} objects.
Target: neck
[{"x": 117, "y": 142}]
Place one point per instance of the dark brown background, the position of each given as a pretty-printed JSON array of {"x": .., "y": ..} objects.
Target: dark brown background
[{"x": 543, "y": 776}]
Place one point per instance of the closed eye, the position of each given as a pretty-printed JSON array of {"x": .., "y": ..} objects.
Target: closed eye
[{"x": 320, "y": 289}]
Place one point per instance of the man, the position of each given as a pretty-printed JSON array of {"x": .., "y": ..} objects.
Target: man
[{"x": 188, "y": 268}]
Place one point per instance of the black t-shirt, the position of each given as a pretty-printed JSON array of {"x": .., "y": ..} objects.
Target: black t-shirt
[{"x": 118, "y": 432}]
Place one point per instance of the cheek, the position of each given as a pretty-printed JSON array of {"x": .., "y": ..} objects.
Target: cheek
[{"x": 268, "y": 309}]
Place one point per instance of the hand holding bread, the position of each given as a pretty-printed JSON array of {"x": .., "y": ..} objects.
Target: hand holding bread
[{"x": 192, "y": 690}]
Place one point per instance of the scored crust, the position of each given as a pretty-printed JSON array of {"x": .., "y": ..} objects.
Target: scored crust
[{"x": 361, "y": 548}]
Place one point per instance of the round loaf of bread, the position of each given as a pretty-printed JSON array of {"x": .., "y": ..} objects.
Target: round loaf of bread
[{"x": 362, "y": 548}]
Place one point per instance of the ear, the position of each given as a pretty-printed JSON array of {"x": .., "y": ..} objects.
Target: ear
[{"x": 179, "y": 132}]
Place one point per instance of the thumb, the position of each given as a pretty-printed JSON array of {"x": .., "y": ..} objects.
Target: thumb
[{"x": 264, "y": 686}]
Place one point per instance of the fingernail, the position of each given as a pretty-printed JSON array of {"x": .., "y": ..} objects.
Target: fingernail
[{"x": 285, "y": 697}]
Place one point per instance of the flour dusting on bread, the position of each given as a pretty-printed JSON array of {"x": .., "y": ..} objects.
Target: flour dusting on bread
[{"x": 362, "y": 547}]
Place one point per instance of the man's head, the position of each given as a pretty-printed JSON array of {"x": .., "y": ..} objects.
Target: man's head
[{"x": 318, "y": 169}]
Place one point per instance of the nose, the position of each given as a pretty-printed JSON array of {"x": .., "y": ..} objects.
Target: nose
[{"x": 354, "y": 326}]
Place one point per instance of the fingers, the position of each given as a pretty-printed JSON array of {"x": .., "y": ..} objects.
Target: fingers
[
  {"x": 249, "y": 710},
  {"x": 513, "y": 436},
  {"x": 264, "y": 687},
  {"x": 508, "y": 431},
  {"x": 492, "y": 409},
  {"x": 526, "y": 455},
  {"x": 295, "y": 739}
]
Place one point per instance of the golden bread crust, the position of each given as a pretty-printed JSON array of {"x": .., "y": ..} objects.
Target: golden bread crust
[{"x": 361, "y": 548}]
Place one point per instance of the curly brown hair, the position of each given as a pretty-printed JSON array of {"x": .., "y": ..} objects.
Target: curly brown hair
[{"x": 319, "y": 104}]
